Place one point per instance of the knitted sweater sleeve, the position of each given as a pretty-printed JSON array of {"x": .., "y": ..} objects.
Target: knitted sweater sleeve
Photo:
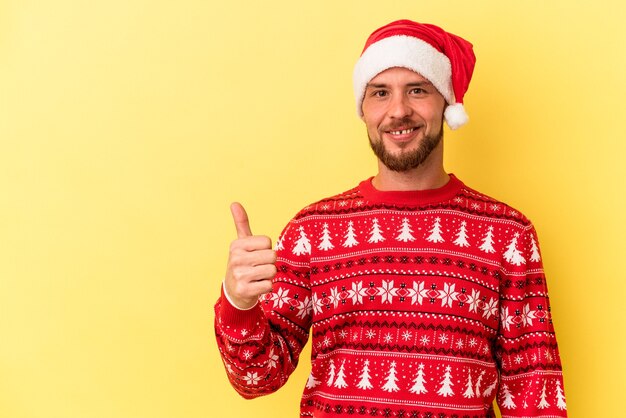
[
  {"x": 531, "y": 381},
  {"x": 260, "y": 347}
]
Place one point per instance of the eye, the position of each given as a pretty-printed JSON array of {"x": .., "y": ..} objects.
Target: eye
[
  {"x": 379, "y": 93},
  {"x": 418, "y": 90}
]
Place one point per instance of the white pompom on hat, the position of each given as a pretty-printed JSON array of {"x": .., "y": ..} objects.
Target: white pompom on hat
[{"x": 446, "y": 60}]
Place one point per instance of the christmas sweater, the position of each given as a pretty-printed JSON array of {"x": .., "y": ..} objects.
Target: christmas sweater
[{"x": 419, "y": 304}]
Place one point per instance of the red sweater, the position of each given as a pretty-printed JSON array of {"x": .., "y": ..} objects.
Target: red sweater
[{"x": 420, "y": 304}]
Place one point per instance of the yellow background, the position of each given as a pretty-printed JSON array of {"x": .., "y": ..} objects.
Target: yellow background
[{"x": 128, "y": 126}]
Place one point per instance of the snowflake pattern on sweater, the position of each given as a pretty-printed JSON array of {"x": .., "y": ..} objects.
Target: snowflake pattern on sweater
[{"x": 419, "y": 304}]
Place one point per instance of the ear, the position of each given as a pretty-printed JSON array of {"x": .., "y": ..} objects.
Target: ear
[{"x": 360, "y": 112}]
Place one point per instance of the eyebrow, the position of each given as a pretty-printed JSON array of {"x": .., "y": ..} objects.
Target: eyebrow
[{"x": 415, "y": 84}]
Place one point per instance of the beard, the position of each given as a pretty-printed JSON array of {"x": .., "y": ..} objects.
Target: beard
[{"x": 406, "y": 160}]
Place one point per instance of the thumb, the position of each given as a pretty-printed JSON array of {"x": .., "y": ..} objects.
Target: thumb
[{"x": 242, "y": 224}]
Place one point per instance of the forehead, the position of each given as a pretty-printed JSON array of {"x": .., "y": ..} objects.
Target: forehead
[{"x": 398, "y": 75}]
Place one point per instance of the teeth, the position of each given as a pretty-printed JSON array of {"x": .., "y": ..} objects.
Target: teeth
[{"x": 403, "y": 132}]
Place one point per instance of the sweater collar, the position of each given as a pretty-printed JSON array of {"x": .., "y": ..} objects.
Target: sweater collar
[{"x": 411, "y": 197}]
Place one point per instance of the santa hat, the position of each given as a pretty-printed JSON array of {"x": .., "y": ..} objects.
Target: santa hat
[{"x": 446, "y": 60}]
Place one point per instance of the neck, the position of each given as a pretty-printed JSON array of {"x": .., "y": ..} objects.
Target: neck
[{"x": 428, "y": 175}]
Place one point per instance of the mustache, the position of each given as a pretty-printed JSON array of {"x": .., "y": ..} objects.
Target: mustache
[{"x": 405, "y": 122}]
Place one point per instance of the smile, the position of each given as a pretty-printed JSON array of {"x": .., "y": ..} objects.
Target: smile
[{"x": 402, "y": 132}]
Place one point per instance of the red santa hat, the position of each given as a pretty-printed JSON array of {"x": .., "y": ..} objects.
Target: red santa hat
[{"x": 446, "y": 60}]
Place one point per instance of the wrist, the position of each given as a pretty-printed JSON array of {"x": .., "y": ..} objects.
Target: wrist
[{"x": 239, "y": 306}]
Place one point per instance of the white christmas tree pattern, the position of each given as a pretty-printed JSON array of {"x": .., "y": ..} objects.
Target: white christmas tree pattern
[
  {"x": 350, "y": 236},
  {"x": 507, "y": 401},
  {"x": 435, "y": 232},
  {"x": 365, "y": 383},
  {"x": 461, "y": 237},
  {"x": 391, "y": 379},
  {"x": 279, "y": 243},
  {"x": 418, "y": 383},
  {"x": 405, "y": 232},
  {"x": 479, "y": 382},
  {"x": 543, "y": 402},
  {"x": 325, "y": 243},
  {"x": 375, "y": 233},
  {"x": 490, "y": 388},
  {"x": 341, "y": 382},
  {"x": 312, "y": 381},
  {"x": 331, "y": 373},
  {"x": 487, "y": 244},
  {"x": 512, "y": 254},
  {"x": 446, "y": 383},
  {"x": 560, "y": 398},
  {"x": 303, "y": 245},
  {"x": 534, "y": 250},
  {"x": 469, "y": 388}
]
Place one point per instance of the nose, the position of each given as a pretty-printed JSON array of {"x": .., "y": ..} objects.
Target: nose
[{"x": 399, "y": 107}]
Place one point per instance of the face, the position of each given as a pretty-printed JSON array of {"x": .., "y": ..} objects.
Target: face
[{"x": 403, "y": 113}]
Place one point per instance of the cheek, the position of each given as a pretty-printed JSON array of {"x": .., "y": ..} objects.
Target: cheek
[
  {"x": 437, "y": 118},
  {"x": 372, "y": 118},
  {"x": 434, "y": 114},
  {"x": 372, "y": 127},
  {"x": 369, "y": 121},
  {"x": 372, "y": 111},
  {"x": 438, "y": 109}
]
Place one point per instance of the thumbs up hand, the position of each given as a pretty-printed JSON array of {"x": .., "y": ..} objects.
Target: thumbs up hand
[{"x": 250, "y": 268}]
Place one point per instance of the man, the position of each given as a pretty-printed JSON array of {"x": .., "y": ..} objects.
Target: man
[{"x": 425, "y": 298}]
